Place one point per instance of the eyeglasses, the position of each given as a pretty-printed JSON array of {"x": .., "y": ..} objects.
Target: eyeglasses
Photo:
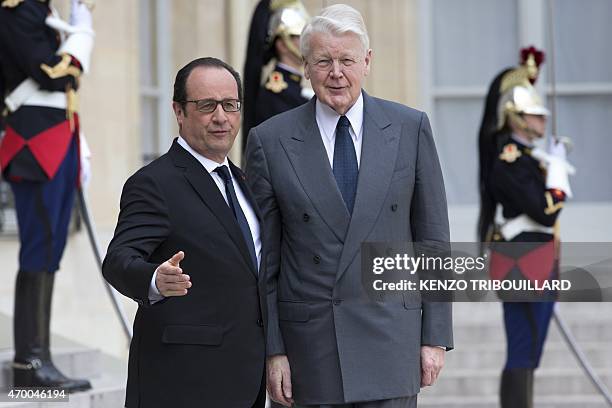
[
  {"x": 326, "y": 64},
  {"x": 210, "y": 105}
]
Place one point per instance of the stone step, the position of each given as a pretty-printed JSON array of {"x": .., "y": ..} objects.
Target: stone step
[
  {"x": 426, "y": 400},
  {"x": 108, "y": 391},
  {"x": 556, "y": 355},
  {"x": 73, "y": 361},
  {"x": 479, "y": 313},
  {"x": 493, "y": 331},
  {"x": 553, "y": 381}
]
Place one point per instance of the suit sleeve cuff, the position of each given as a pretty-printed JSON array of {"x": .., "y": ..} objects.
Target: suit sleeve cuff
[{"x": 154, "y": 295}]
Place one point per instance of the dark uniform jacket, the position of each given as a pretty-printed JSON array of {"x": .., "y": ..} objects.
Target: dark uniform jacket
[
  {"x": 281, "y": 91},
  {"x": 37, "y": 138},
  {"x": 204, "y": 349},
  {"x": 518, "y": 184}
]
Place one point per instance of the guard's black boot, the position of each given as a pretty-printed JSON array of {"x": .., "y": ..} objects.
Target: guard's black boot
[
  {"x": 516, "y": 389},
  {"x": 32, "y": 366}
]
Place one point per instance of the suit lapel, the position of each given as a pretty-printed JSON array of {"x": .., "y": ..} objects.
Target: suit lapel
[
  {"x": 378, "y": 155},
  {"x": 307, "y": 154},
  {"x": 209, "y": 193}
]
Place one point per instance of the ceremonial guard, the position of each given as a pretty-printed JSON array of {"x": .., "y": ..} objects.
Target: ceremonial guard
[
  {"x": 273, "y": 68},
  {"x": 41, "y": 60},
  {"x": 526, "y": 186}
]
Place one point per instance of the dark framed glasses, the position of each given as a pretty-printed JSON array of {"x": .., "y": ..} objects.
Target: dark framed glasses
[{"x": 210, "y": 105}]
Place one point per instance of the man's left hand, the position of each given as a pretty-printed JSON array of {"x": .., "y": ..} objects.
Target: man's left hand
[{"x": 432, "y": 361}]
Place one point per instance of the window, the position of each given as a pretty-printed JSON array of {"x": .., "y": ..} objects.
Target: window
[
  {"x": 155, "y": 77},
  {"x": 467, "y": 43}
]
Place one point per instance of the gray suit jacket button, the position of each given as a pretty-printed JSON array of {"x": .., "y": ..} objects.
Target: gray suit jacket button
[
  {"x": 316, "y": 259},
  {"x": 306, "y": 217},
  {"x": 394, "y": 207}
]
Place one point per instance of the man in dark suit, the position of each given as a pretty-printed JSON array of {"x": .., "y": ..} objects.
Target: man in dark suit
[
  {"x": 187, "y": 248},
  {"x": 343, "y": 169}
]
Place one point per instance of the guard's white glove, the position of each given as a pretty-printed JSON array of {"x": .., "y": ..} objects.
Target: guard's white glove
[
  {"x": 80, "y": 15},
  {"x": 558, "y": 168},
  {"x": 80, "y": 32},
  {"x": 85, "y": 153},
  {"x": 557, "y": 148}
]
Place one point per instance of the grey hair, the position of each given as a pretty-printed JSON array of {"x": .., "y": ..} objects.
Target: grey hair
[{"x": 337, "y": 19}]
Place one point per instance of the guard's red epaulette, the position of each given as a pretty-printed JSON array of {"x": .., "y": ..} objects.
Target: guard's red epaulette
[{"x": 510, "y": 153}]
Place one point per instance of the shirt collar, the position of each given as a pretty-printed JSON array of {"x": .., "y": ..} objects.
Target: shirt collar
[
  {"x": 289, "y": 69},
  {"x": 209, "y": 165},
  {"x": 327, "y": 118},
  {"x": 521, "y": 140}
]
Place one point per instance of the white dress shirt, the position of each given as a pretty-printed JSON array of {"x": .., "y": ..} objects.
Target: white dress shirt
[
  {"x": 249, "y": 213},
  {"x": 327, "y": 120}
]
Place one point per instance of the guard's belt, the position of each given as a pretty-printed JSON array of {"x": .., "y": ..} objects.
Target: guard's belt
[
  {"x": 514, "y": 226},
  {"x": 29, "y": 93}
]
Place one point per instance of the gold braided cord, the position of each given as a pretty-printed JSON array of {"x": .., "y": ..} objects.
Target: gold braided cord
[{"x": 62, "y": 68}]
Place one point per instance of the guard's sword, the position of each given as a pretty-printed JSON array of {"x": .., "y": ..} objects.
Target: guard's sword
[{"x": 112, "y": 293}]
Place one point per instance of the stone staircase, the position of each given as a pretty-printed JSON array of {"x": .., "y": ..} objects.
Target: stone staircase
[
  {"x": 107, "y": 374},
  {"x": 471, "y": 374}
]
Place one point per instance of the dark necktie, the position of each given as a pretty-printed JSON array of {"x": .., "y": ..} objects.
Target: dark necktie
[
  {"x": 345, "y": 163},
  {"x": 234, "y": 204}
]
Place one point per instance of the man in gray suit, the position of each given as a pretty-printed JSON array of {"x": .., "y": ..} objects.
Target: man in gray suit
[{"x": 343, "y": 169}]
